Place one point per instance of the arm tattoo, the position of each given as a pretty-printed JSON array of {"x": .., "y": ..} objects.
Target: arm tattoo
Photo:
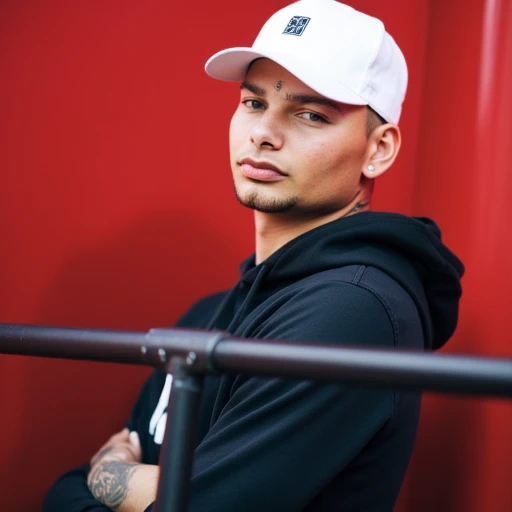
[{"x": 108, "y": 482}]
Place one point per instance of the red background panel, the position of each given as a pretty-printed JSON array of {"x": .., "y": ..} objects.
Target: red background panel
[{"x": 117, "y": 211}]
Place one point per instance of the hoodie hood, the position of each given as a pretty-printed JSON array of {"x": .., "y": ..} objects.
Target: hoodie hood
[{"x": 408, "y": 249}]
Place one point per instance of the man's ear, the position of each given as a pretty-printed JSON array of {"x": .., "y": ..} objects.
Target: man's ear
[{"x": 381, "y": 150}]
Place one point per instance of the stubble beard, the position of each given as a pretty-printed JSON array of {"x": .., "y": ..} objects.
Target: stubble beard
[{"x": 274, "y": 205}]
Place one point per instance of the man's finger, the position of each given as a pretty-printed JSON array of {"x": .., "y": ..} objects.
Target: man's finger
[
  {"x": 129, "y": 451},
  {"x": 119, "y": 436},
  {"x": 134, "y": 439},
  {"x": 135, "y": 442}
]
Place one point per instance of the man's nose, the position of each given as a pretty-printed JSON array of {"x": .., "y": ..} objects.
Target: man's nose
[{"x": 267, "y": 132}]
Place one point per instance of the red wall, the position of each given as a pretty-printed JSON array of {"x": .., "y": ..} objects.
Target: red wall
[{"x": 117, "y": 210}]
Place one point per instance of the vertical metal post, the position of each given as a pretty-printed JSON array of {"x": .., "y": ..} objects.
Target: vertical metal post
[{"x": 177, "y": 452}]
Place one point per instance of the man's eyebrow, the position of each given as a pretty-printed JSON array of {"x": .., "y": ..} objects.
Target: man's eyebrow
[
  {"x": 298, "y": 98},
  {"x": 253, "y": 88},
  {"x": 309, "y": 98}
]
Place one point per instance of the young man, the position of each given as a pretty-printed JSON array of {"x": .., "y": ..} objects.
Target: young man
[{"x": 321, "y": 95}]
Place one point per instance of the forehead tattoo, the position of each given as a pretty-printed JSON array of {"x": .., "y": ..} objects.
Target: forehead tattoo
[{"x": 279, "y": 85}]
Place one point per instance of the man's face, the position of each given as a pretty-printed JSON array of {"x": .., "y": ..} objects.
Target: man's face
[{"x": 293, "y": 150}]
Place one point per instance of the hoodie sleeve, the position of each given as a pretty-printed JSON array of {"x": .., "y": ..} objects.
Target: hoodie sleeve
[
  {"x": 276, "y": 443},
  {"x": 71, "y": 494}
]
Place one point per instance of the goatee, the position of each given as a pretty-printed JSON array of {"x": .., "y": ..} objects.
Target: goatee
[{"x": 273, "y": 205}]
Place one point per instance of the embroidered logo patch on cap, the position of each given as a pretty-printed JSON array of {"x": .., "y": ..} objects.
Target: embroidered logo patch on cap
[{"x": 296, "y": 26}]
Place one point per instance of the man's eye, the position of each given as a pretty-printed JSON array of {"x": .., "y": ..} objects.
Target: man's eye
[
  {"x": 253, "y": 104},
  {"x": 313, "y": 116}
]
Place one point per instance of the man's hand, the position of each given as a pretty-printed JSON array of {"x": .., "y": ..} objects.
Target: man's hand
[
  {"x": 118, "y": 479},
  {"x": 123, "y": 446}
]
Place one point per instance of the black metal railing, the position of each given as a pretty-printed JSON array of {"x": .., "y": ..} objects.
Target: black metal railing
[{"x": 191, "y": 354}]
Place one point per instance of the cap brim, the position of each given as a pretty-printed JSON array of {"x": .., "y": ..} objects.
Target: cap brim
[{"x": 232, "y": 64}]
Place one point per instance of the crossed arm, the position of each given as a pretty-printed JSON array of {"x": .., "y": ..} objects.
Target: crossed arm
[{"x": 118, "y": 479}]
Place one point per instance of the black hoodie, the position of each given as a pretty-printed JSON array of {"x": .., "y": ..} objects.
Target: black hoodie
[{"x": 372, "y": 279}]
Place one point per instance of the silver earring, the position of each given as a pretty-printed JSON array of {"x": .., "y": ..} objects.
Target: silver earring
[{"x": 371, "y": 168}]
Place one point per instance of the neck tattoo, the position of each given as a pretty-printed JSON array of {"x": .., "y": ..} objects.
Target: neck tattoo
[{"x": 359, "y": 206}]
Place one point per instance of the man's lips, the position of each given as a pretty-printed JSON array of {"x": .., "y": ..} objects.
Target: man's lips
[{"x": 261, "y": 171}]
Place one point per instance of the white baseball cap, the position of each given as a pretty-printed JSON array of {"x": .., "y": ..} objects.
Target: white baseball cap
[{"x": 339, "y": 52}]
